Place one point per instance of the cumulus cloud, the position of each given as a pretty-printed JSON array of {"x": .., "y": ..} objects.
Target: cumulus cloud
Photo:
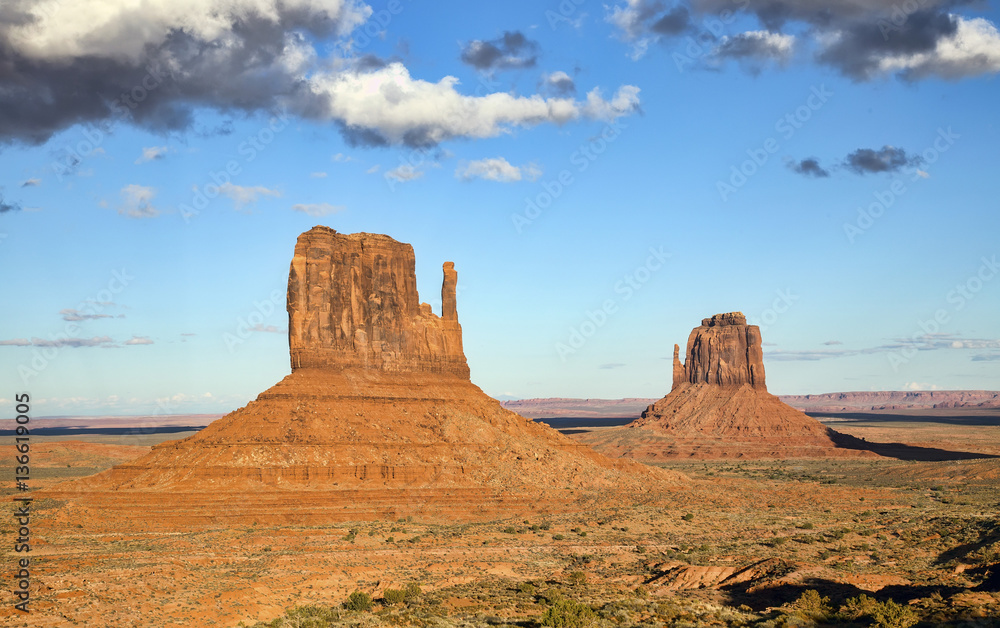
[
  {"x": 318, "y": 209},
  {"x": 919, "y": 386},
  {"x": 511, "y": 51},
  {"x": 558, "y": 84},
  {"x": 68, "y": 63},
  {"x": 388, "y": 106},
  {"x": 862, "y": 40},
  {"x": 137, "y": 202},
  {"x": 341, "y": 157},
  {"x": 152, "y": 153},
  {"x": 245, "y": 195},
  {"x": 808, "y": 167},
  {"x": 756, "y": 48},
  {"x": 496, "y": 169},
  {"x": 30, "y": 183},
  {"x": 649, "y": 20},
  {"x": 139, "y": 340},
  {"x": 929, "y": 43},
  {"x": 887, "y": 159}
]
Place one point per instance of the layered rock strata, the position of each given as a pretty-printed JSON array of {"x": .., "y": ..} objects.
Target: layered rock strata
[
  {"x": 378, "y": 419},
  {"x": 719, "y": 407}
]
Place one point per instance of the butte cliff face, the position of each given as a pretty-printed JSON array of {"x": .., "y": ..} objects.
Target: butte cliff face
[
  {"x": 378, "y": 419},
  {"x": 352, "y": 303},
  {"x": 719, "y": 407},
  {"x": 723, "y": 351}
]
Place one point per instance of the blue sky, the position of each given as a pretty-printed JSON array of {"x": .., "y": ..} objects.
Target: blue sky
[{"x": 603, "y": 176}]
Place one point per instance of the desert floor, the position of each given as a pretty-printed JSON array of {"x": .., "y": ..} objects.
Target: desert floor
[{"x": 742, "y": 544}]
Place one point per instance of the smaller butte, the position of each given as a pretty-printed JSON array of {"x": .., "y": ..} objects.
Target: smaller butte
[{"x": 719, "y": 407}]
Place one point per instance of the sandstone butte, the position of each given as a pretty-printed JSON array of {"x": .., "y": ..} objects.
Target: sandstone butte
[
  {"x": 719, "y": 407},
  {"x": 377, "y": 420}
]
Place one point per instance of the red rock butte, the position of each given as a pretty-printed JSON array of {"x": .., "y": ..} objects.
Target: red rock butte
[
  {"x": 378, "y": 419},
  {"x": 719, "y": 407}
]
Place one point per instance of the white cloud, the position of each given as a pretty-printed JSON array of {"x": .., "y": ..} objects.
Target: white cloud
[
  {"x": 373, "y": 169},
  {"x": 124, "y": 29},
  {"x": 756, "y": 46},
  {"x": 318, "y": 175},
  {"x": 139, "y": 340},
  {"x": 919, "y": 386},
  {"x": 318, "y": 209},
  {"x": 137, "y": 202},
  {"x": 246, "y": 195},
  {"x": 559, "y": 83},
  {"x": 496, "y": 169},
  {"x": 341, "y": 157},
  {"x": 249, "y": 56},
  {"x": 403, "y": 173},
  {"x": 973, "y": 49},
  {"x": 30, "y": 183},
  {"x": 389, "y": 106},
  {"x": 152, "y": 153}
]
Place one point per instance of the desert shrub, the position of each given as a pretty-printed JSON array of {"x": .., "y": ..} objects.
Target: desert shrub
[
  {"x": 359, "y": 601},
  {"x": 393, "y": 596},
  {"x": 808, "y": 525},
  {"x": 810, "y": 605},
  {"x": 688, "y": 517},
  {"x": 557, "y": 537},
  {"x": 545, "y": 525},
  {"x": 569, "y": 614},
  {"x": 307, "y": 617},
  {"x": 858, "y": 607},
  {"x": 411, "y": 592},
  {"x": 889, "y": 614},
  {"x": 509, "y": 530},
  {"x": 577, "y": 578},
  {"x": 641, "y": 591},
  {"x": 583, "y": 533},
  {"x": 526, "y": 587}
]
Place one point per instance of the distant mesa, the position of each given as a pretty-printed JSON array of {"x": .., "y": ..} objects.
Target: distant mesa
[
  {"x": 719, "y": 407},
  {"x": 377, "y": 420}
]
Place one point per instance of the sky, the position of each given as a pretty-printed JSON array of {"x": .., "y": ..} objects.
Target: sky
[{"x": 603, "y": 174}]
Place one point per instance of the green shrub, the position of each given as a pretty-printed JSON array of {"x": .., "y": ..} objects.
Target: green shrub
[
  {"x": 810, "y": 605},
  {"x": 557, "y": 537},
  {"x": 359, "y": 601},
  {"x": 889, "y": 614},
  {"x": 688, "y": 517},
  {"x": 509, "y": 530},
  {"x": 569, "y": 614},
  {"x": 807, "y": 526},
  {"x": 393, "y": 596},
  {"x": 577, "y": 578},
  {"x": 412, "y": 591},
  {"x": 858, "y": 607}
]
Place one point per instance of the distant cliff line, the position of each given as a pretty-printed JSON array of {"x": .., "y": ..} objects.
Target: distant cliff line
[{"x": 827, "y": 402}]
